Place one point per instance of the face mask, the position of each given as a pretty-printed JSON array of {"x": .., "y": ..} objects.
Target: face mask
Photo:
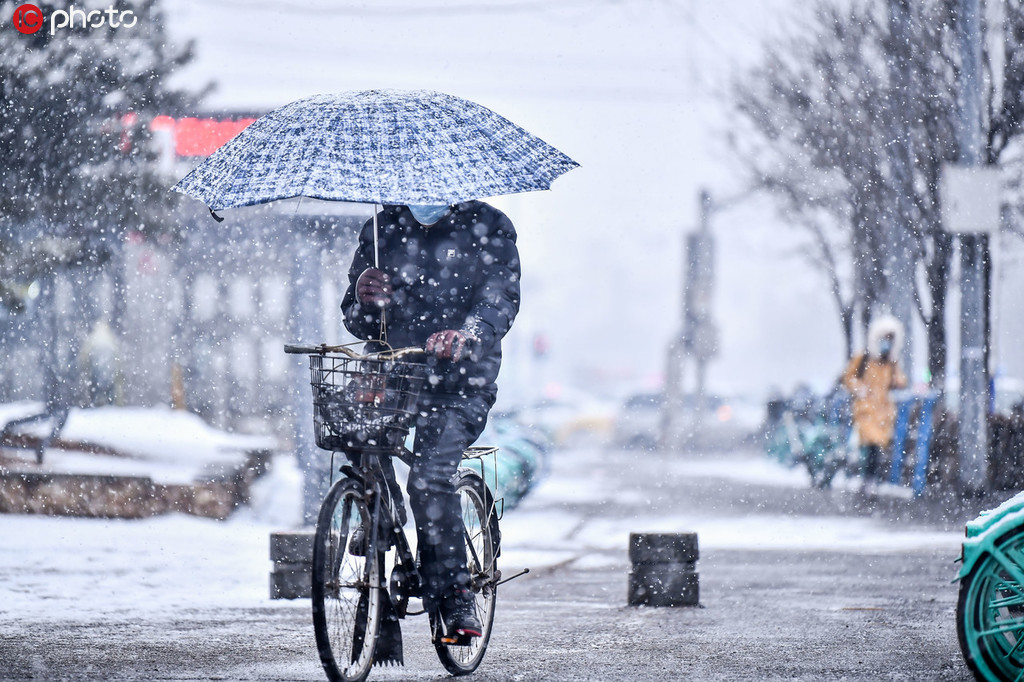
[
  {"x": 885, "y": 348},
  {"x": 428, "y": 214}
]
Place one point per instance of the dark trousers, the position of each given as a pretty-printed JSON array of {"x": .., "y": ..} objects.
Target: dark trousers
[
  {"x": 872, "y": 460},
  {"x": 446, "y": 426}
]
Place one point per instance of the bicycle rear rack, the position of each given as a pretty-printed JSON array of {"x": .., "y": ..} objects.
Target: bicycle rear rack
[{"x": 479, "y": 452}]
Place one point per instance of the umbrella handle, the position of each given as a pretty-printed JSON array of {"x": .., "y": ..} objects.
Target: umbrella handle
[
  {"x": 376, "y": 252},
  {"x": 376, "y": 264}
]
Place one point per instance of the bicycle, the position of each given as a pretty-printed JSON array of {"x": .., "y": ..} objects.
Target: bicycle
[
  {"x": 801, "y": 437},
  {"x": 364, "y": 405},
  {"x": 990, "y": 605}
]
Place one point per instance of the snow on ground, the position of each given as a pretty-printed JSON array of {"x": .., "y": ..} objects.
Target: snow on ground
[
  {"x": 759, "y": 531},
  {"x": 112, "y": 568},
  {"x": 545, "y": 534},
  {"x": 546, "y": 521},
  {"x": 116, "y": 569},
  {"x": 53, "y": 567},
  {"x": 165, "y": 445},
  {"x": 50, "y": 566}
]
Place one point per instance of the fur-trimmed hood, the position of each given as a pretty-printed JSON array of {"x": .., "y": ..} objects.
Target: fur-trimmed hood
[{"x": 881, "y": 327}]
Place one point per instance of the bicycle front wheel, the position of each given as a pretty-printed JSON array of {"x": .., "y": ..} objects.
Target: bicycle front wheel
[
  {"x": 346, "y": 590},
  {"x": 482, "y": 542},
  {"x": 990, "y": 613}
]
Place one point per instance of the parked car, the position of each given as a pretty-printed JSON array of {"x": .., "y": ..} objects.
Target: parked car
[
  {"x": 724, "y": 423},
  {"x": 570, "y": 418},
  {"x": 638, "y": 423}
]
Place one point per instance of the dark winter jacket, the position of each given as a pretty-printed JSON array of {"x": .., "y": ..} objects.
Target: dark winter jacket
[{"x": 460, "y": 273}]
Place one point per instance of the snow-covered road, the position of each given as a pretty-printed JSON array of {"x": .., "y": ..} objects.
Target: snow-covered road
[{"x": 100, "y": 569}]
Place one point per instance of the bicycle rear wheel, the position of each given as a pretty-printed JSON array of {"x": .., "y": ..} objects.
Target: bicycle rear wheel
[
  {"x": 482, "y": 543},
  {"x": 346, "y": 592},
  {"x": 990, "y": 614}
]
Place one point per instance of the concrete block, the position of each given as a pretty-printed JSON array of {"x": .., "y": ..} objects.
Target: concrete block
[
  {"x": 290, "y": 581},
  {"x": 294, "y": 546},
  {"x": 664, "y": 569},
  {"x": 292, "y": 554}
]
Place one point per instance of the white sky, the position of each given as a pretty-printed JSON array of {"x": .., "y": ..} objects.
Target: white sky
[{"x": 628, "y": 89}]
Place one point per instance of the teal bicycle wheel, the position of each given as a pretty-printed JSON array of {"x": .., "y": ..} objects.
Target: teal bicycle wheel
[{"x": 990, "y": 612}]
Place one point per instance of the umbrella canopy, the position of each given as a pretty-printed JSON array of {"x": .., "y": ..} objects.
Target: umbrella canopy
[{"x": 376, "y": 146}]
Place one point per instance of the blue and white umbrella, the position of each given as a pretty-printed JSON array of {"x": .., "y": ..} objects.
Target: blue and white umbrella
[{"x": 376, "y": 146}]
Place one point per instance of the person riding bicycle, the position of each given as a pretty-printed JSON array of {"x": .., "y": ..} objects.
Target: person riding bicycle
[{"x": 448, "y": 282}]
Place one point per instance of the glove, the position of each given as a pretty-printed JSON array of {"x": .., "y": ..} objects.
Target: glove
[
  {"x": 449, "y": 344},
  {"x": 374, "y": 286}
]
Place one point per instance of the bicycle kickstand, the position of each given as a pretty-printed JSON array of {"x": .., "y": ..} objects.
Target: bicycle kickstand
[{"x": 511, "y": 577}]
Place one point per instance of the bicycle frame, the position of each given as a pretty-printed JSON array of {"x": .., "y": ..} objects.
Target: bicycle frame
[
  {"x": 368, "y": 434},
  {"x": 369, "y": 471}
]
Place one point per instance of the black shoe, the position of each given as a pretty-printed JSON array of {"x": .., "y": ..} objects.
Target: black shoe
[{"x": 458, "y": 610}]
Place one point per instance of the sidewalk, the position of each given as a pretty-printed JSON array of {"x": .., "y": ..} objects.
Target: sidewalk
[{"x": 742, "y": 500}]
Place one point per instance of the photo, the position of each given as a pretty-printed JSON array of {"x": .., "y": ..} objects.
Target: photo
[{"x": 526, "y": 340}]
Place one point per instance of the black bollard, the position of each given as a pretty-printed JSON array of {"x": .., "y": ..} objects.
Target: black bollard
[
  {"x": 292, "y": 554},
  {"x": 664, "y": 569}
]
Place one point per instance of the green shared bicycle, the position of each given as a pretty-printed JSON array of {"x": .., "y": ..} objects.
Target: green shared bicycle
[{"x": 990, "y": 610}]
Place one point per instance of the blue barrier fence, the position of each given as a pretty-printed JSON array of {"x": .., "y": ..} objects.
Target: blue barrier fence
[
  {"x": 924, "y": 407},
  {"x": 815, "y": 432}
]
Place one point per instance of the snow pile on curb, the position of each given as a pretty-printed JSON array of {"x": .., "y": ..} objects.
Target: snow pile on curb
[
  {"x": 160, "y": 434},
  {"x": 131, "y": 462}
]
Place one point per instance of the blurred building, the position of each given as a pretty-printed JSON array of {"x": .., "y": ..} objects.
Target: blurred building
[{"x": 198, "y": 312}]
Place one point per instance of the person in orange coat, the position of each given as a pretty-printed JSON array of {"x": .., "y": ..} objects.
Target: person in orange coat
[{"x": 870, "y": 377}]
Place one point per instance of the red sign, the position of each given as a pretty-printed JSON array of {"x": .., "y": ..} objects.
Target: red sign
[{"x": 199, "y": 136}]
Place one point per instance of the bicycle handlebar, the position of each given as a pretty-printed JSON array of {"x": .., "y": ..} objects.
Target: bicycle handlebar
[{"x": 323, "y": 349}]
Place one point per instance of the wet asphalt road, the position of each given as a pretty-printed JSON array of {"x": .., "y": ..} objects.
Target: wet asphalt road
[{"x": 765, "y": 614}]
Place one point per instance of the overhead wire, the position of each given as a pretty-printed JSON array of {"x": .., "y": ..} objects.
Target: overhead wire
[{"x": 410, "y": 9}]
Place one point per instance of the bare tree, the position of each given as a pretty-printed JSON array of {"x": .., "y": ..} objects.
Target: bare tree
[
  {"x": 852, "y": 121},
  {"x": 820, "y": 146}
]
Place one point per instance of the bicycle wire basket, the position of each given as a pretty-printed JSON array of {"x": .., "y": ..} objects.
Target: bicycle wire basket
[{"x": 363, "y": 404}]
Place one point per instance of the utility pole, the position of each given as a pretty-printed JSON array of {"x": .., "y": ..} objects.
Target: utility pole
[
  {"x": 699, "y": 327},
  {"x": 973, "y": 436},
  {"x": 697, "y": 340},
  {"x": 899, "y": 262}
]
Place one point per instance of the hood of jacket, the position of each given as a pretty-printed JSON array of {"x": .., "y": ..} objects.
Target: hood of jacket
[{"x": 881, "y": 327}]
